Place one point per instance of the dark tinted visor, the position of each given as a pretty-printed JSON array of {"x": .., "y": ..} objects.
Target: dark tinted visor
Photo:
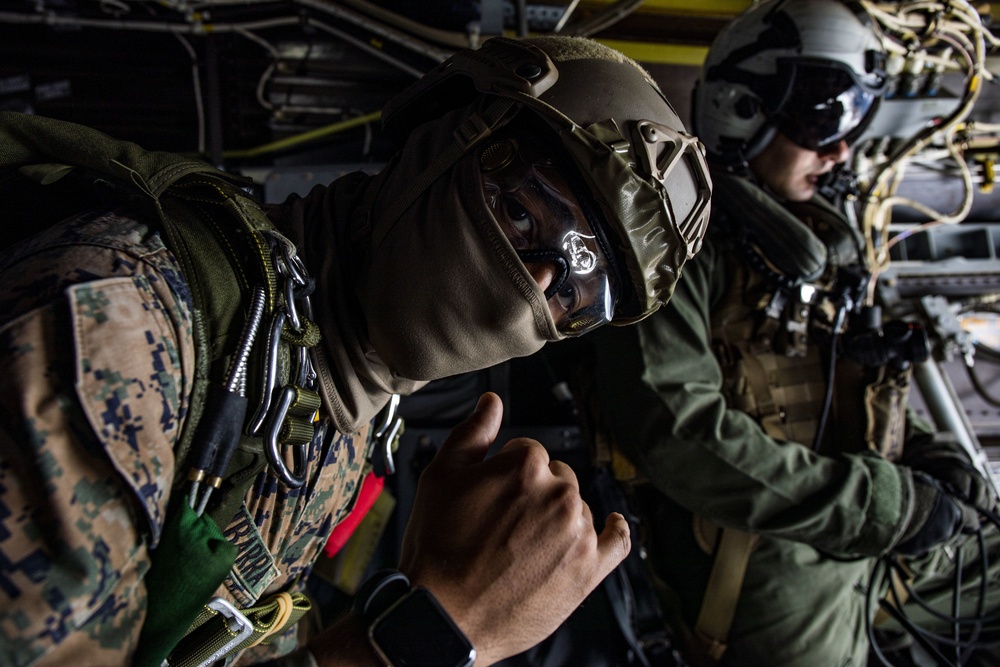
[{"x": 824, "y": 104}]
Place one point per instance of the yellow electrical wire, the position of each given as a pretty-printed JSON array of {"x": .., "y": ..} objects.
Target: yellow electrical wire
[{"x": 304, "y": 137}]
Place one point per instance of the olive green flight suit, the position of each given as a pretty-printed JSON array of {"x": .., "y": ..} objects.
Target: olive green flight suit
[{"x": 822, "y": 517}]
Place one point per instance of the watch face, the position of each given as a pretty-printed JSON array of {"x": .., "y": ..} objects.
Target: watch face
[{"x": 417, "y": 632}]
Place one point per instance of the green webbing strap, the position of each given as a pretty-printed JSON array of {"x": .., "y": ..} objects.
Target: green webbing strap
[
  {"x": 217, "y": 275},
  {"x": 221, "y": 630},
  {"x": 191, "y": 561}
]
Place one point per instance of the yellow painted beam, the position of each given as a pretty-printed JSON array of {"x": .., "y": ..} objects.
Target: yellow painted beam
[{"x": 697, "y": 7}]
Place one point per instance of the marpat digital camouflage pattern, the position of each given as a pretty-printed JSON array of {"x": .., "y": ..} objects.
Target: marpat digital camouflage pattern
[{"x": 97, "y": 354}]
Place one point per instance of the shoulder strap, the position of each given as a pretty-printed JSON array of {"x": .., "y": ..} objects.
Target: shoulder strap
[
  {"x": 208, "y": 222},
  {"x": 630, "y": 588},
  {"x": 37, "y": 146},
  {"x": 711, "y": 631}
]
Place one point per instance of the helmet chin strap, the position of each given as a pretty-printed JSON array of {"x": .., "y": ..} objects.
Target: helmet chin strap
[
  {"x": 554, "y": 257},
  {"x": 759, "y": 141}
]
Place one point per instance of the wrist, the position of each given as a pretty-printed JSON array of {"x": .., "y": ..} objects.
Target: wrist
[
  {"x": 408, "y": 625},
  {"x": 344, "y": 644},
  {"x": 300, "y": 657}
]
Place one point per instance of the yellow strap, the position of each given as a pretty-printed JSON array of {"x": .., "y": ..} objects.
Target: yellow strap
[
  {"x": 723, "y": 590},
  {"x": 286, "y": 606},
  {"x": 901, "y": 594}
]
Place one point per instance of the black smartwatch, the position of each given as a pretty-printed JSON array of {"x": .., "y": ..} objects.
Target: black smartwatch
[{"x": 408, "y": 627}]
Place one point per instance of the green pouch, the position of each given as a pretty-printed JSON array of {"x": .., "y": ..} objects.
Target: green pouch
[{"x": 191, "y": 561}]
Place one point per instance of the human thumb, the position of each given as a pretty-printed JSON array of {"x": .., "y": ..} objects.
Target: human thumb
[
  {"x": 470, "y": 439},
  {"x": 614, "y": 542}
]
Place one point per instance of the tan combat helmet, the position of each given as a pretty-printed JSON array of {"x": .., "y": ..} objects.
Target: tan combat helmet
[{"x": 643, "y": 172}]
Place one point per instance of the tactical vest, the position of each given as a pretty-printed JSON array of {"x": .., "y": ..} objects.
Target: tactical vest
[
  {"x": 235, "y": 262},
  {"x": 773, "y": 330},
  {"x": 767, "y": 335}
]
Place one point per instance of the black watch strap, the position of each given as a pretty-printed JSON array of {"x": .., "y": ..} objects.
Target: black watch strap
[
  {"x": 382, "y": 590},
  {"x": 408, "y": 626}
]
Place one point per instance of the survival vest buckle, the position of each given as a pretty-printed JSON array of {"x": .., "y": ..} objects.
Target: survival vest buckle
[
  {"x": 237, "y": 626},
  {"x": 235, "y": 621}
]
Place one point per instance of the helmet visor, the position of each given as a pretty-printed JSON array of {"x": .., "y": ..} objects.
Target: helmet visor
[
  {"x": 825, "y": 105},
  {"x": 545, "y": 222}
]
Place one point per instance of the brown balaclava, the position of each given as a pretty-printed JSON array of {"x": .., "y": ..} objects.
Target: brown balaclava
[
  {"x": 404, "y": 298},
  {"x": 416, "y": 280},
  {"x": 444, "y": 291}
]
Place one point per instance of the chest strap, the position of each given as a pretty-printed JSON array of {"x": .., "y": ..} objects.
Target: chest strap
[{"x": 718, "y": 607}]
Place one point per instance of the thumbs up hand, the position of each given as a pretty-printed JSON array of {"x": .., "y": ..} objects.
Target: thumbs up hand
[{"x": 506, "y": 543}]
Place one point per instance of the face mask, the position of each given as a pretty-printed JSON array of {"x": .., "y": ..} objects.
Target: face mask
[{"x": 443, "y": 292}]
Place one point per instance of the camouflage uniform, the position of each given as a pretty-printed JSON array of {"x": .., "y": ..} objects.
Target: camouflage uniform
[{"x": 97, "y": 357}]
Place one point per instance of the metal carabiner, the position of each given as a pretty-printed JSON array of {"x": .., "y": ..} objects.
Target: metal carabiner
[
  {"x": 293, "y": 312},
  {"x": 296, "y": 280},
  {"x": 272, "y": 413},
  {"x": 385, "y": 434},
  {"x": 272, "y": 447},
  {"x": 271, "y": 371}
]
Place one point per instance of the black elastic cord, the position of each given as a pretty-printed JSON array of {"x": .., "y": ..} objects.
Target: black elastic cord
[
  {"x": 972, "y": 627},
  {"x": 978, "y": 385},
  {"x": 828, "y": 392},
  {"x": 553, "y": 257}
]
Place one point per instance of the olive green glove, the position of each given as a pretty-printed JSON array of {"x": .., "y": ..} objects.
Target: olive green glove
[
  {"x": 941, "y": 457},
  {"x": 936, "y": 517}
]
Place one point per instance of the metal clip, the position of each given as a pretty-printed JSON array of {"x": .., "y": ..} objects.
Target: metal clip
[
  {"x": 236, "y": 622},
  {"x": 271, "y": 372},
  {"x": 297, "y": 289},
  {"x": 272, "y": 447},
  {"x": 272, "y": 413},
  {"x": 385, "y": 434}
]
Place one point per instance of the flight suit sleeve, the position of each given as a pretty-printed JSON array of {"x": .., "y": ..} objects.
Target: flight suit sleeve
[
  {"x": 92, "y": 397},
  {"x": 660, "y": 388}
]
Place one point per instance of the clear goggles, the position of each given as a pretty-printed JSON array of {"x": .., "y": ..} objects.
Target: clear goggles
[
  {"x": 546, "y": 223},
  {"x": 825, "y": 103}
]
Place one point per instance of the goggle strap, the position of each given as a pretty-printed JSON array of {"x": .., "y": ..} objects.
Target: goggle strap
[{"x": 554, "y": 257}]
